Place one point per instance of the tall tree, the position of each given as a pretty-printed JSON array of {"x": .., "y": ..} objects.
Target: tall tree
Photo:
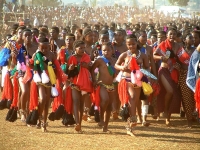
[
  {"x": 179, "y": 2},
  {"x": 47, "y": 2}
]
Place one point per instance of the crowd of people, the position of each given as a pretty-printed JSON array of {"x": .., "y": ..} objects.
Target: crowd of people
[{"x": 103, "y": 67}]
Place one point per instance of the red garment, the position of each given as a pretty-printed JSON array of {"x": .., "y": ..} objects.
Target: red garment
[
  {"x": 8, "y": 88},
  {"x": 156, "y": 90},
  {"x": 57, "y": 100},
  {"x": 62, "y": 56},
  {"x": 164, "y": 46},
  {"x": 33, "y": 104},
  {"x": 133, "y": 64},
  {"x": 197, "y": 94},
  {"x": 83, "y": 80},
  {"x": 96, "y": 97},
  {"x": 28, "y": 75},
  {"x": 183, "y": 56},
  {"x": 60, "y": 75},
  {"x": 68, "y": 101},
  {"x": 123, "y": 93}
]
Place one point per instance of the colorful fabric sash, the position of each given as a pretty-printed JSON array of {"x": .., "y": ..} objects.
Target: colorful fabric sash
[
  {"x": 183, "y": 56},
  {"x": 163, "y": 47},
  {"x": 111, "y": 69}
]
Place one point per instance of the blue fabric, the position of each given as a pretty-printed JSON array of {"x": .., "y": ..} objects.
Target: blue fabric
[
  {"x": 20, "y": 56},
  {"x": 4, "y": 56},
  {"x": 143, "y": 50},
  {"x": 192, "y": 70},
  {"x": 108, "y": 63},
  {"x": 100, "y": 53}
]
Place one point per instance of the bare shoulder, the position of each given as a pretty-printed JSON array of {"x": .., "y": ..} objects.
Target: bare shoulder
[{"x": 124, "y": 54}]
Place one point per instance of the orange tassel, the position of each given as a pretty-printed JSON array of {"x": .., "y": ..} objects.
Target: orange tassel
[
  {"x": 3, "y": 96},
  {"x": 10, "y": 89},
  {"x": 33, "y": 104},
  {"x": 123, "y": 93},
  {"x": 7, "y": 89},
  {"x": 197, "y": 94},
  {"x": 15, "y": 90},
  {"x": 28, "y": 75}
]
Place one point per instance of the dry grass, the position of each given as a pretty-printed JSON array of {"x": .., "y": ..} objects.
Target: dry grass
[{"x": 18, "y": 136}]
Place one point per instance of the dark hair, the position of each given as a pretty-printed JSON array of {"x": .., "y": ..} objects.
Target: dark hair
[
  {"x": 77, "y": 43},
  {"x": 43, "y": 40},
  {"x": 162, "y": 32},
  {"x": 171, "y": 28},
  {"x": 85, "y": 32},
  {"x": 21, "y": 27},
  {"x": 131, "y": 36},
  {"x": 40, "y": 26},
  {"x": 103, "y": 32},
  {"x": 15, "y": 26},
  {"x": 55, "y": 28},
  {"x": 45, "y": 26},
  {"x": 179, "y": 34},
  {"x": 71, "y": 35},
  {"x": 197, "y": 32},
  {"x": 35, "y": 29},
  {"x": 42, "y": 33},
  {"x": 26, "y": 30},
  {"x": 109, "y": 44}
]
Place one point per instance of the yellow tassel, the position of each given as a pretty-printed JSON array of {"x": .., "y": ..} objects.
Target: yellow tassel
[
  {"x": 51, "y": 72},
  {"x": 147, "y": 89}
]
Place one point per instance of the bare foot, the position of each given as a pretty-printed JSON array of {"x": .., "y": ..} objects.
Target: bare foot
[
  {"x": 85, "y": 117},
  {"x": 115, "y": 115},
  {"x": 130, "y": 133},
  {"x": 133, "y": 124},
  {"x": 100, "y": 124},
  {"x": 168, "y": 123},
  {"x": 43, "y": 127},
  {"x": 145, "y": 124},
  {"x": 78, "y": 127},
  {"x": 90, "y": 120},
  {"x": 106, "y": 131}
]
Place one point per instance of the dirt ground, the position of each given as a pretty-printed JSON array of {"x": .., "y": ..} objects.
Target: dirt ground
[{"x": 157, "y": 136}]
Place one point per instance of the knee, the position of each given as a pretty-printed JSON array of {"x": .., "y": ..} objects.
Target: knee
[
  {"x": 109, "y": 107},
  {"x": 43, "y": 99}
]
